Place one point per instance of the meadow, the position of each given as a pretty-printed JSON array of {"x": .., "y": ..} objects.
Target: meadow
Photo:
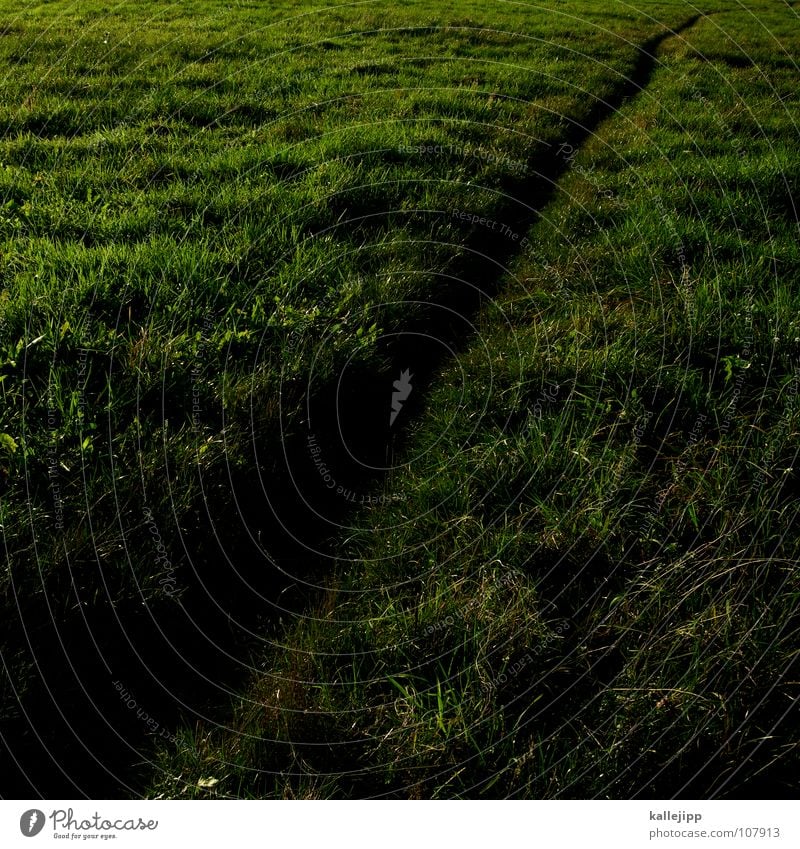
[{"x": 399, "y": 400}]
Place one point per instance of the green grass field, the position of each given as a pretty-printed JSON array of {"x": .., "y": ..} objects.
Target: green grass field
[{"x": 399, "y": 400}]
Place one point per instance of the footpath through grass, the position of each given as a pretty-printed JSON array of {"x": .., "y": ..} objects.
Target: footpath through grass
[
  {"x": 207, "y": 212},
  {"x": 581, "y": 579},
  {"x": 226, "y": 229}
]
